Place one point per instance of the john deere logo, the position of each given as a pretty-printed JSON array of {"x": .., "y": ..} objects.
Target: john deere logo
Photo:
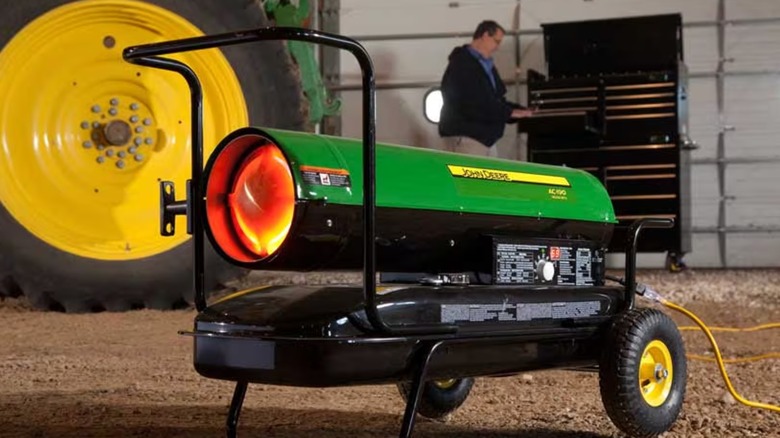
[{"x": 503, "y": 175}]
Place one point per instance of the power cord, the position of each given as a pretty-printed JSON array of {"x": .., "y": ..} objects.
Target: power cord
[{"x": 718, "y": 358}]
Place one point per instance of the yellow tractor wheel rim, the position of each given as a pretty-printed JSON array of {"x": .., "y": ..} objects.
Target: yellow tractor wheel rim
[
  {"x": 85, "y": 137},
  {"x": 656, "y": 373}
]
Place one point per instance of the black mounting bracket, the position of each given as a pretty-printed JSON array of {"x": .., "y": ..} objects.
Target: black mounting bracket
[{"x": 170, "y": 208}]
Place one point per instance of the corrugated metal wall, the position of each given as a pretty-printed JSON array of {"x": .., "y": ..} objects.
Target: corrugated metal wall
[{"x": 732, "y": 49}]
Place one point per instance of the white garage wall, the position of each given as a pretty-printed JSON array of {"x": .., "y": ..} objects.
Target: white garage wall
[{"x": 751, "y": 103}]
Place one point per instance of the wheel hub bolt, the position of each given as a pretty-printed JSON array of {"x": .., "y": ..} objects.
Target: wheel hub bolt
[
  {"x": 117, "y": 132},
  {"x": 661, "y": 373}
]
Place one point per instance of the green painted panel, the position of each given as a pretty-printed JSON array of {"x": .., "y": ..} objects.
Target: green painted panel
[{"x": 420, "y": 178}]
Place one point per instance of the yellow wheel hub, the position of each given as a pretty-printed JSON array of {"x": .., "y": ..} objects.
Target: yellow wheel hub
[
  {"x": 444, "y": 384},
  {"x": 85, "y": 137},
  {"x": 656, "y": 373}
]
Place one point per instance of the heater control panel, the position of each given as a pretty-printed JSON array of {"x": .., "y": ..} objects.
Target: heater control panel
[{"x": 547, "y": 262}]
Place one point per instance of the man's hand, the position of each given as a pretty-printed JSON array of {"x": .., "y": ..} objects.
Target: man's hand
[{"x": 521, "y": 113}]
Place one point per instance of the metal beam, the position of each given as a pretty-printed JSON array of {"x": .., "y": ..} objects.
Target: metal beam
[
  {"x": 509, "y": 82},
  {"x": 736, "y": 160},
  {"x": 716, "y": 74},
  {"x": 736, "y": 230},
  {"x": 721, "y": 150},
  {"x": 467, "y": 34}
]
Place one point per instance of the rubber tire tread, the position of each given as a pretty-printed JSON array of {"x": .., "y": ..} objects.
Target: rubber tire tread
[
  {"x": 436, "y": 402},
  {"x": 628, "y": 336},
  {"x": 57, "y": 280}
]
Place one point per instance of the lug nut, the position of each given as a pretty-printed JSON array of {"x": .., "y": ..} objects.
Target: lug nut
[
  {"x": 85, "y": 125},
  {"x": 96, "y": 125},
  {"x": 112, "y": 111},
  {"x": 139, "y": 157},
  {"x": 131, "y": 149},
  {"x": 120, "y": 164},
  {"x": 121, "y": 154},
  {"x": 138, "y": 141},
  {"x": 139, "y": 129},
  {"x": 114, "y": 101},
  {"x": 100, "y": 147},
  {"x": 101, "y": 159},
  {"x": 87, "y": 144},
  {"x": 110, "y": 153},
  {"x": 133, "y": 119},
  {"x": 134, "y": 106},
  {"x": 149, "y": 140},
  {"x": 95, "y": 108},
  {"x": 147, "y": 121}
]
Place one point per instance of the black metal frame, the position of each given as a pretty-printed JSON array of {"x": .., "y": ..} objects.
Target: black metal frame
[{"x": 431, "y": 337}]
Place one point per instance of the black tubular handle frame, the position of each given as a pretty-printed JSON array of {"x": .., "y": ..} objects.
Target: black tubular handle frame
[
  {"x": 632, "y": 238},
  {"x": 149, "y": 55}
]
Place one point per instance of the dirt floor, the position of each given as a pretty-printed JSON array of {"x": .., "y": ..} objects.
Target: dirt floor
[{"x": 130, "y": 374}]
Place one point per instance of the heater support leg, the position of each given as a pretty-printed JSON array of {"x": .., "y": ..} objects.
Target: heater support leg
[
  {"x": 420, "y": 366},
  {"x": 235, "y": 409}
]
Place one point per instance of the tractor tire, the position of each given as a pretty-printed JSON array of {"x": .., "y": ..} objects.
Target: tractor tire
[
  {"x": 643, "y": 373},
  {"x": 79, "y": 231},
  {"x": 441, "y": 397}
]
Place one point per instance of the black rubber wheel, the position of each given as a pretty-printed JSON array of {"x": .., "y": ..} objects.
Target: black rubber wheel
[
  {"x": 55, "y": 279},
  {"x": 440, "y": 397},
  {"x": 643, "y": 373}
]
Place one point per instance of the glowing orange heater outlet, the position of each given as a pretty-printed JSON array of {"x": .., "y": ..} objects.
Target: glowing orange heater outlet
[{"x": 250, "y": 198}]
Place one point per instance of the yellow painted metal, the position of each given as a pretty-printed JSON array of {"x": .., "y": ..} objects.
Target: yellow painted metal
[
  {"x": 656, "y": 373},
  {"x": 445, "y": 384},
  {"x": 62, "y": 80}
]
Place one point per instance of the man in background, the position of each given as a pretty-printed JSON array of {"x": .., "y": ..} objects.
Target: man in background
[{"x": 475, "y": 108}]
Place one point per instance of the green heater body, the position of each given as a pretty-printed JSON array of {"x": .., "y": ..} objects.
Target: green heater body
[{"x": 281, "y": 200}]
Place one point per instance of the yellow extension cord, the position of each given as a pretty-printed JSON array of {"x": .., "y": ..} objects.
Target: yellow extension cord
[
  {"x": 772, "y": 355},
  {"x": 718, "y": 357}
]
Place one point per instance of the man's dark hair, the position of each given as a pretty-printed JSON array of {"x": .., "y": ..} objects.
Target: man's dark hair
[{"x": 489, "y": 26}]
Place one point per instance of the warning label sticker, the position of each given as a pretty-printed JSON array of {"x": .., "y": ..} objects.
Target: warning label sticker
[
  {"x": 507, "y": 176},
  {"x": 518, "y": 312},
  {"x": 323, "y": 176}
]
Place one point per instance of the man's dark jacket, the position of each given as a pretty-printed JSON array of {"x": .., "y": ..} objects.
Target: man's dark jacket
[{"x": 472, "y": 106}]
